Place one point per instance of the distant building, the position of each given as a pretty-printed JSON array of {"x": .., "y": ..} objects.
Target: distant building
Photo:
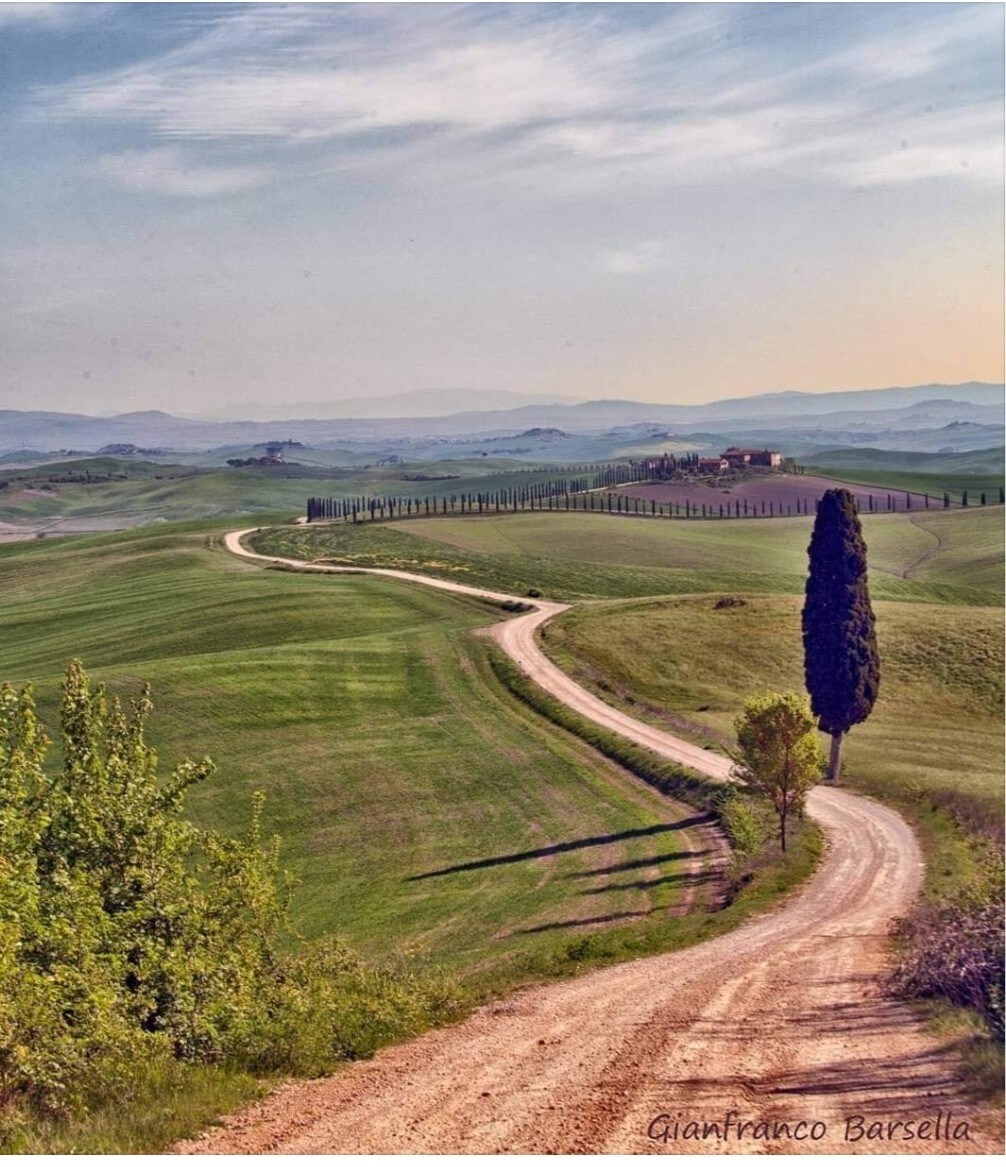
[
  {"x": 713, "y": 465},
  {"x": 737, "y": 458},
  {"x": 660, "y": 465},
  {"x": 274, "y": 452}
]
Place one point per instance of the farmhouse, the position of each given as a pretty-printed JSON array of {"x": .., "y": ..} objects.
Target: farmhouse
[
  {"x": 737, "y": 458},
  {"x": 713, "y": 465}
]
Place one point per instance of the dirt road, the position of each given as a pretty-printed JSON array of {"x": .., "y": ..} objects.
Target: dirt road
[{"x": 780, "y": 1021}]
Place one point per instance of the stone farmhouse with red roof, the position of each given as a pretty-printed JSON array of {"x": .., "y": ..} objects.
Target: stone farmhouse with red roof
[{"x": 736, "y": 458}]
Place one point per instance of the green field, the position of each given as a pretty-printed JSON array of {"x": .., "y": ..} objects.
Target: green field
[
  {"x": 971, "y": 470},
  {"x": 420, "y": 805},
  {"x": 918, "y": 481},
  {"x": 417, "y": 802},
  {"x": 131, "y": 491},
  {"x": 941, "y": 556},
  {"x": 938, "y": 722},
  {"x": 936, "y": 579}
]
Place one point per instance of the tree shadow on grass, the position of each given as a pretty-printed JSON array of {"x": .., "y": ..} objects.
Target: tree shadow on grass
[
  {"x": 581, "y": 923},
  {"x": 683, "y": 878},
  {"x": 561, "y": 848},
  {"x": 634, "y": 864}
]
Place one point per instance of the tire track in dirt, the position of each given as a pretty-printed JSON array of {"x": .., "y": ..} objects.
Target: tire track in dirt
[
  {"x": 933, "y": 549},
  {"x": 782, "y": 1019}
]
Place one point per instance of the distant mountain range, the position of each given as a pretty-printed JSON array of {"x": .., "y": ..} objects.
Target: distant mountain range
[
  {"x": 418, "y": 403},
  {"x": 923, "y": 417}
]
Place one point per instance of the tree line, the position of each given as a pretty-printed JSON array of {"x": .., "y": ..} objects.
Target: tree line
[
  {"x": 583, "y": 494},
  {"x": 533, "y": 496}
]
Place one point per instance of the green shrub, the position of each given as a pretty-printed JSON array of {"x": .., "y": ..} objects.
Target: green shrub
[
  {"x": 744, "y": 823},
  {"x": 129, "y": 938}
]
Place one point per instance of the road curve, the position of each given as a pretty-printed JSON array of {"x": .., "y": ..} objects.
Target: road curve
[{"x": 780, "y": 1021}]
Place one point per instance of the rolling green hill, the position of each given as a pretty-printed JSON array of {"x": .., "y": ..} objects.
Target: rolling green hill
[
  {"x": 130, "y": 492},
  {"x": 653, "y": 639},
  {"x": 417, "y": 802},
  {"x": 925, "y": 556},
  {"x": 972, "y": 470},
  {"x": 937, "y": 726},
  {"x": 420, "y": 806}
]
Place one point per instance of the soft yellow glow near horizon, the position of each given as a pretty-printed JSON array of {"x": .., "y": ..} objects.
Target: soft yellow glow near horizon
[{"x": 905, "y": 327}]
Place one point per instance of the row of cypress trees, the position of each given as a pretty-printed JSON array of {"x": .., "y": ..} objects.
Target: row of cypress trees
[
  {"x": 576, "y": 494},
  {"x": 534, "y": 496}
]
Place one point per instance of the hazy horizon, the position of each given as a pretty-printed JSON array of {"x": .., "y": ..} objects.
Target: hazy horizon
[
  {"x": 479, "y": 403},
  {"x": 205, "y": 205}
]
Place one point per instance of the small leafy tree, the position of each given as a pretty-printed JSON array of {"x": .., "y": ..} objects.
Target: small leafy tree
[
  {"x": 129, "y": 937},
  {"x": 841, "y": 664},
  {"x": 780, "y": 755}
]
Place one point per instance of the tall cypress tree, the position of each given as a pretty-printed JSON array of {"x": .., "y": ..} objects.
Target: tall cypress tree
[{"x": 841, "y": 664}]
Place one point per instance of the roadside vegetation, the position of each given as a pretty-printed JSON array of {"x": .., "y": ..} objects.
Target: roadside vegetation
[
  {"x": 779, "y": 754},
  {"x": 133, "y": 944}
]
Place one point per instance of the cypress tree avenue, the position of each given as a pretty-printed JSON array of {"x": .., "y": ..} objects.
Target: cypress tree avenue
[{"x": 841, "y": 664}]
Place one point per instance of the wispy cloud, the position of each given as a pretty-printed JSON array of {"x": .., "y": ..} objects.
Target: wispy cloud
[
  {"x": 170, "y": 171},
  {"x": 959, "y": 143},
  {"x": 893, "y": 54},
  {"x": 26, "y": 16},
  {"x": 305, "y": 74},
  {"x": 13, "y": 14},
  {"x": 678, "y": 94}
]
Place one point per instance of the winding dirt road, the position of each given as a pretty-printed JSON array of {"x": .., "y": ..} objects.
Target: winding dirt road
[{"x": 780, "y": 1021}]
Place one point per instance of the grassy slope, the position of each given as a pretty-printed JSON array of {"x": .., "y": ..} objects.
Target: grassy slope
[
  {"x": 938, "y": 725},
  {"x": 918, "y": 557},
  {"x": 938, "y": 722},
  {"x": 365, "y": 710},
  {"x": 145, "y": 491},
  {"x": 932, "y": 484},
  {"x": 970, "y": 469},
  {"x": 386, "y": 765}
]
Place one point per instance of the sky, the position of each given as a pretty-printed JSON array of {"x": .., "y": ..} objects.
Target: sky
[{"x": 205, "y": 204}]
